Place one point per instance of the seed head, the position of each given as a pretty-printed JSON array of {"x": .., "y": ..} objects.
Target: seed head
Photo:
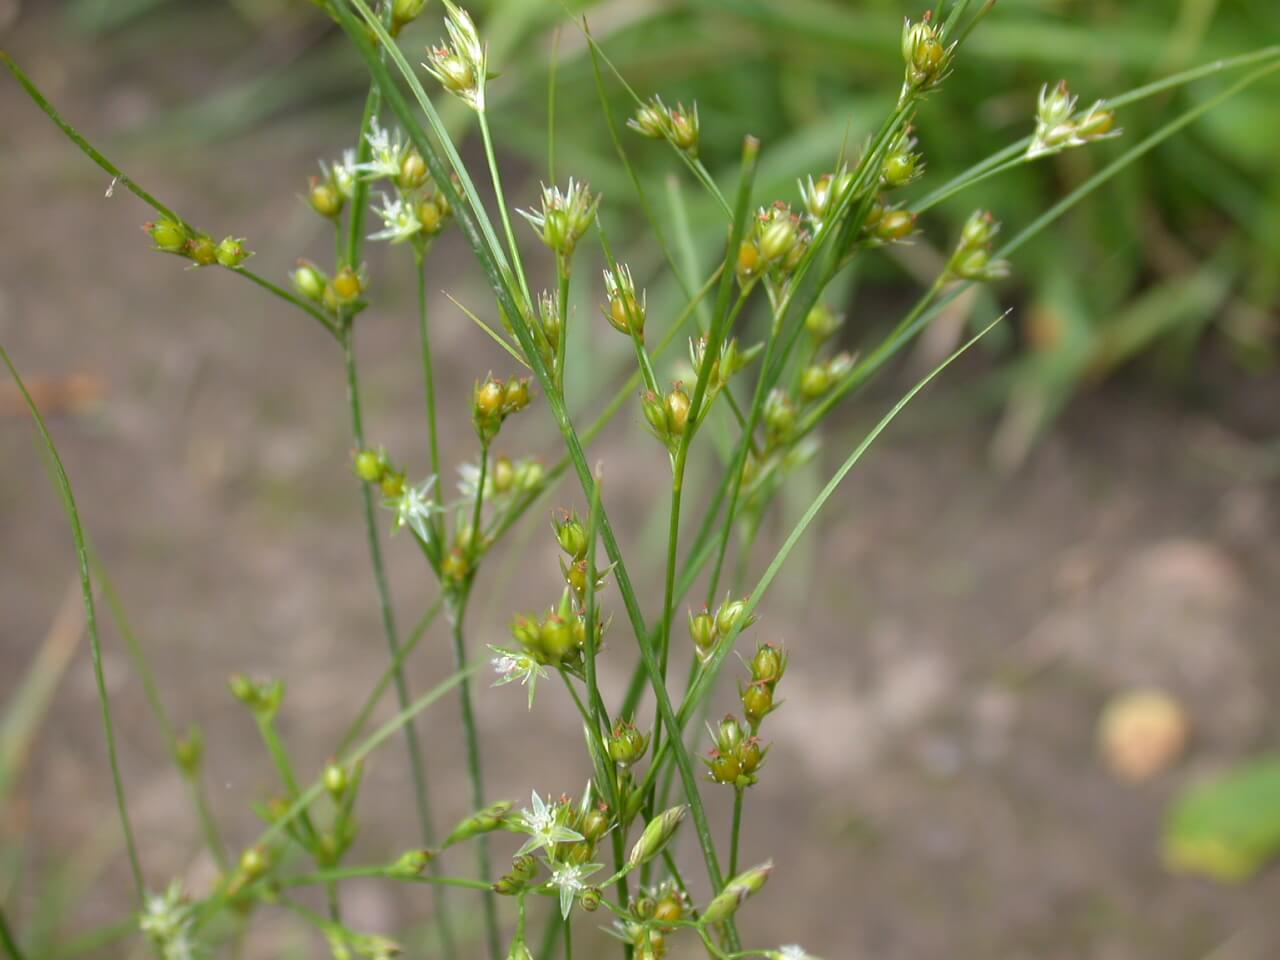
[{"x": 461, "y": 64}]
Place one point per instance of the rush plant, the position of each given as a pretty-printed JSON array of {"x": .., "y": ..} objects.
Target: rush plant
[{"x": 764, "y": 375}]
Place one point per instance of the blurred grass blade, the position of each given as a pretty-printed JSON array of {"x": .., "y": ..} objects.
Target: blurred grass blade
[{"x": 91, "y": 620}]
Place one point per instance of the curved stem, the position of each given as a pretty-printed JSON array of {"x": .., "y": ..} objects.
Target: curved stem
[{"x": 516, "y": 262}]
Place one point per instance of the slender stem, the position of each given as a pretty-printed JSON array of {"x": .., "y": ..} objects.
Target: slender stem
[
  {"x": 421, "y": 797},
  {"x": 474, "y": 770},
  {"x": 517, "y": 264},
  {"x": 568, "y": 938},
  {"x": 562, "y": 303},
  {"x": 737, "y": 831},
  {"x": 429, "y": 383},
  {"x": 91, "y": 622},
  {"x": 280, "y": 757}
]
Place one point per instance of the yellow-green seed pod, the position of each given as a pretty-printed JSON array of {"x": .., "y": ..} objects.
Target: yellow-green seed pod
[
  {"x": 814, "y": 381},
  {"x": 737, "y": 890},
  {"x": 369, "y": 466},
  {"x": 168, "y": 235},
  {"x": 203, "y": 250},
  {"x": 325, "y": 197}
]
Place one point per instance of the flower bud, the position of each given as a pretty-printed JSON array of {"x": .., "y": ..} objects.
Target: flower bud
[
  {"x": 455, "y": 568},
  {"x": 650, "y": 120},
  {"x": 168, "y": 235},
  {"x": 413, "y": 171},
  {"x": 728, "y": 735},
  {"x": 411, "y": 863},
  {"x": 231, "y": 252},
  {"x": 702, "y": 630},
  {"x": 403, "y": 12},
  {"x": 589, "y": 899},
  {"x": 683, "y": 128},
  {"x": 571, "y": 535},
  {"x": 730, "y": 616},
  {"x": 482, "y": 821},
  {"x": 777, "y": 231},
  {"x": 335, "y": 779},
  {"x": 254, "y": 862},
  {"x": 626, "y": 744},
  {"x": 644, "y": 907},
  {"x": 779, "y": 417},
  {"x": 655, "y": 413},
  {"x": 749, "y": 261},
  {"x": 895, "y": 225},
  {"x": 625, "y": 312},
  {"x": 392, "y": 483},
  {"x": 657, "y": 834},
  {"x": 724, "y": 767},
  {"x": 757, "y": 702},
  {"x": 519, "y": 950},
  {"x": 188, "y": 751},
  {"x": 369, "y": 466},
  {"x": 750, "y": 755},
  {"x": 670, "y": 908},
  {"x": 345, "y": 288},
  {"x": 676, "y": 407},
  {"x": 822, "y": 322},
  {"x": 595, "y": 823},
  {"x": 529, "y": 476},
  {"x": 202, "y": 250},
  {"x": 325, "y": 197},
  {"x": 726, "y": 903},
  {"x": 556, "y": 638},
  {"x": 308, "y": 280},
  {"x": 815, "y": 380},
  {"x": 769, "y": 664},
  {"x": 524, "y": 866}
]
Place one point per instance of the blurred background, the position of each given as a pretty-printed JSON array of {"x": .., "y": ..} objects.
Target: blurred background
[{"x": 1084, "y": 508}]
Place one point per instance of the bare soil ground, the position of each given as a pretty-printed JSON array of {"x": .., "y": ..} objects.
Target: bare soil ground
[{"x": 933, "y": 791}]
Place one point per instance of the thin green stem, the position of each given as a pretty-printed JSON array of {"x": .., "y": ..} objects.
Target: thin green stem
[
  {"x": 562, "y": 304},
  {"x": 737, "y": 831},
  {"x": 568, "y": 938},
  {"x": 429, "y": 381},
  {"x": 91, "y": 619},
  {"x": 512, "y": 246},
  {"x": 421, "y": 797},
  {"x": 474, "y": 771}
]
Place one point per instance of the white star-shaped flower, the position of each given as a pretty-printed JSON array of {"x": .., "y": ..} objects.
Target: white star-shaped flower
[
  {"x": 544, "y": 832},
  {"x": 414, "y": 508},
  {"x": 570, "y": 879},
  {"x": 343, "y": 174},
  {"x": 512, "y": 665},
  {"x": 387, "y": 152},
  {"x": 399, "y": 220},
  {"x": 793, "y": 952}
]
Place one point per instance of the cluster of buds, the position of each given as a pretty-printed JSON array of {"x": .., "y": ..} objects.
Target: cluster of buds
[
  {"x": 818, "y": 377},
  {"x": 573, "y": 539},
  {"x": 461, "y": 65},
  {"x": 263, "y": 697},
  {"x": 677, "y": 125},
  {"x": 413, "y": 506},
  {"x": 668, "y": 416},
  {"x": 1056, "y": 128},
  {"x": 738, "y": 754},
  {"x": 656, "y": 911},
  {"x": 887, "y": 224},
  {"x": 563, "y": 217},
  {"x": 416, "y": 212},
  {"x": 775, "y": 246},
  {"x": 926, "y": 55},
  {"x": 492, "y": 401},
  {"x": 708, "y": 630},
  {"x": 556, "y": 639},
  {"x": 902, "y": 163},
  {"x": 173, "y": 236},
  {"x": 972, "y": 257},
  {"x": 823, "y": 197},
  {"x": 625, "y": 311},
  {"x": 341, "y": 291},
  {"x": 731, "y": 360},
  {"x": 567, "y": 835}
]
